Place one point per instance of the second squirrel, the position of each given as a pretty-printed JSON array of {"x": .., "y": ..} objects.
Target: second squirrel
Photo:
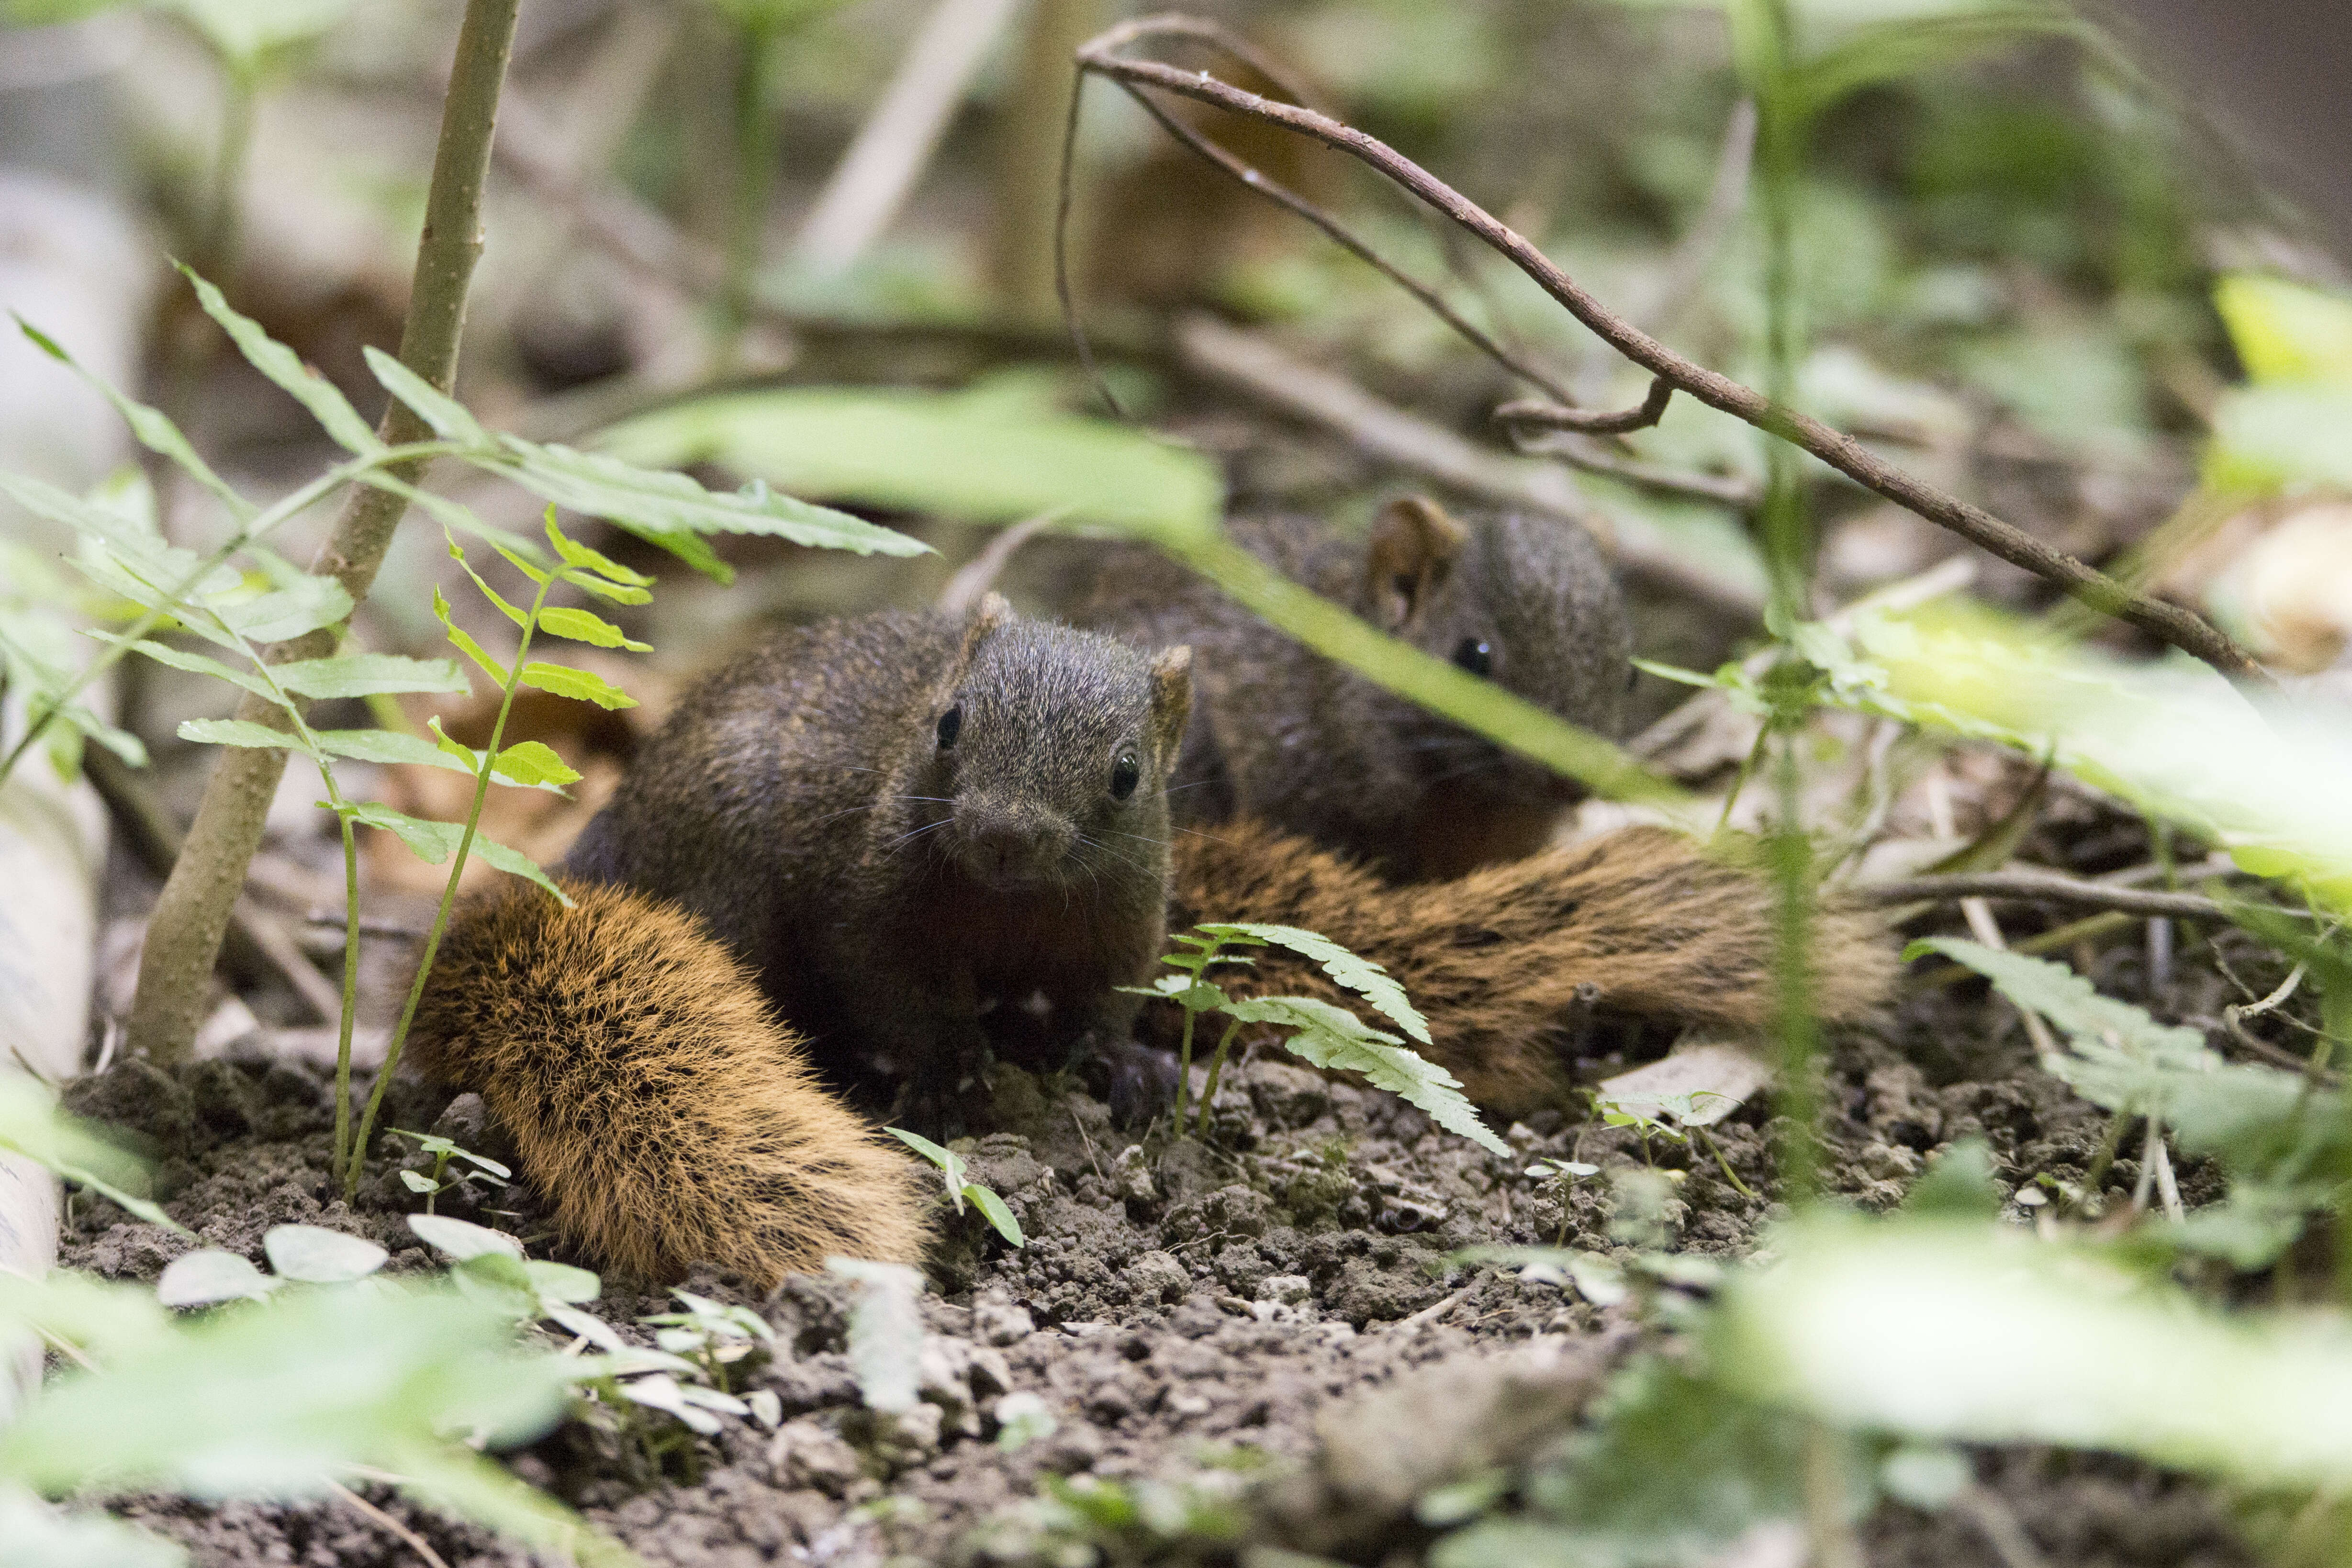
[{"x": 1284, "y": 736}]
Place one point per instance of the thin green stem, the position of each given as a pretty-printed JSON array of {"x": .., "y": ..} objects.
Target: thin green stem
[
  {"x": 2094, "y": 1180},
  {"x": 1184, "y": 1074},
  {"x": 350, "y": 990},
  {"x": 1216, "y": 1071},
  {"x": 1730, "y": 1174},
  {"x": 449, "y": 895}
]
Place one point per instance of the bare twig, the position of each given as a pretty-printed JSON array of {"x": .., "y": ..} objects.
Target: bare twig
[
  {"x": 408, "y": 1537},
  {"x": 390, "y": 931},
  {"x": 184, "y": 936},
  {"x": 1979, "y": 914},
  {"x": 1551, "y": 417},
  {"x": 1281, "y": 195},
  {"x": 2169, "y": 622},
  {"x": 2233, "y": 1024},
  {"x": 975, "y": 577},
  {"x": 1249, "y": 363},
  {"x": 1431, "y": 1313},
  {"x": 2040, "y": 887}
]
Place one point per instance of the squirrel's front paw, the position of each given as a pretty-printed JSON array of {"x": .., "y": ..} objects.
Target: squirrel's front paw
[{"x": 1138, "y": 1082}]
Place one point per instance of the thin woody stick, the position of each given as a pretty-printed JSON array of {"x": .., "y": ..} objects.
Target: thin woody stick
[{"x": 2169, "y": 622}]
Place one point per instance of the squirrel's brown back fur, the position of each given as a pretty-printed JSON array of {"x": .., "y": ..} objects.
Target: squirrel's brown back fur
[
  {"x": 661, "y": 1111},
  {"x": 1496, "y": 959}
]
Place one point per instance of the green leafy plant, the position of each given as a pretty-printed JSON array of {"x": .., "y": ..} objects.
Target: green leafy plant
[
  {"x": 244, "y": 598},
  {"x": 472, "y": 1168},
  {"x": 1319, "y": 1033},
  {"x": 240, "y": 598},
  {"x": 1673, "y": 1117},
  {"x": 289, "y": 1384},
  {"x": 952, "y": 1168},
  {"x": 712, "y": 1335}
]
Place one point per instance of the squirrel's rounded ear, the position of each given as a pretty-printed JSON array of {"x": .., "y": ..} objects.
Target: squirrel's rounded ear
[
  {"x": 1171, "y": 699},
  {"x": 992, "y": 612},
  {"x": 1414, "y": 546}
]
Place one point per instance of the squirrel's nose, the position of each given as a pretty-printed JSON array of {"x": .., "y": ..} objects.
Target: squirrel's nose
[{"x": 998, "y": 846}]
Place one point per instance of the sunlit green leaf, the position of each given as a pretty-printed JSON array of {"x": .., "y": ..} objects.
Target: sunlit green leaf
[
  {"x": 993, "y": 1209},
  {"x": 434, "y": 842},
  {"x": 463, "y": 640},
  {"x": 247, "y": 32},
  {"x": 2271, "y": 438},
  {"x": 533, "y": 763},
  {"x": 2286, "y": 333},
  {"x": 1965, "y": 1333},
  {"x": 585, "y": 626},
  {"x": 566, "y": 681},
  {"x": 2119, "y": 1057},
  {"x": 660, "y": 506},
  {"x": 948, "y": 1163},
  {"x": 75, "y": 512},
  {"x": 32, "y": 1125},
  {"x": 576, "y": 554},
  {"x": 462, "y": 1239},
  {"x": 283, "y": 613},
  {"x": 283, "y": 1397},
  {"x": 2265, "y": 776},
  {"x": 40, "y": 1535}
]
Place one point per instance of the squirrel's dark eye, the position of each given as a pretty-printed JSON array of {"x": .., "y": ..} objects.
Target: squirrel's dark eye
[
  {"x": 1476, "y": 656},
  {"x": 951, "y": 726},
  {"x": 1124, "y": 773}
]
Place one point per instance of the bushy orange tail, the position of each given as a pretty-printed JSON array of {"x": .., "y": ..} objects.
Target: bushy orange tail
[
  {"x": 663, "y": 1112},
  {"x": 1497, "y": 959}
]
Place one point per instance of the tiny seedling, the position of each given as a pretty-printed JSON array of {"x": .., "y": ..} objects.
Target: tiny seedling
[
  {"x": 1320, "y": 1033},
  {"x": 1563, "y": 1174},
  {"x": 952, "y": 1168},
  {"x": 472, "y": 1168},
  {"x": 1676, "y": 1122},
  {"x": 710, "y": 1334}
]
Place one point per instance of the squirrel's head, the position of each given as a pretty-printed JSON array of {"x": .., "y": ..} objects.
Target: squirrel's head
[
  {"x": 1525, "y": 601},
  {"x": 1054, "y": 746}
]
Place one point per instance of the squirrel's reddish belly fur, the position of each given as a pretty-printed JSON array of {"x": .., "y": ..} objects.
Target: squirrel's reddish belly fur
[{"x": 662, "y": 1111}]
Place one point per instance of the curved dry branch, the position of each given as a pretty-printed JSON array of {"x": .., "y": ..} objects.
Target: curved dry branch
[
  {"x": 1585, "y": 421},
  {"x": 1841, "y": 451}
]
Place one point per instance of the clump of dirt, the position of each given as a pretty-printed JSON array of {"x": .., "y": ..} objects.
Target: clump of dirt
[{"x": 1214, "y": 1323}]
